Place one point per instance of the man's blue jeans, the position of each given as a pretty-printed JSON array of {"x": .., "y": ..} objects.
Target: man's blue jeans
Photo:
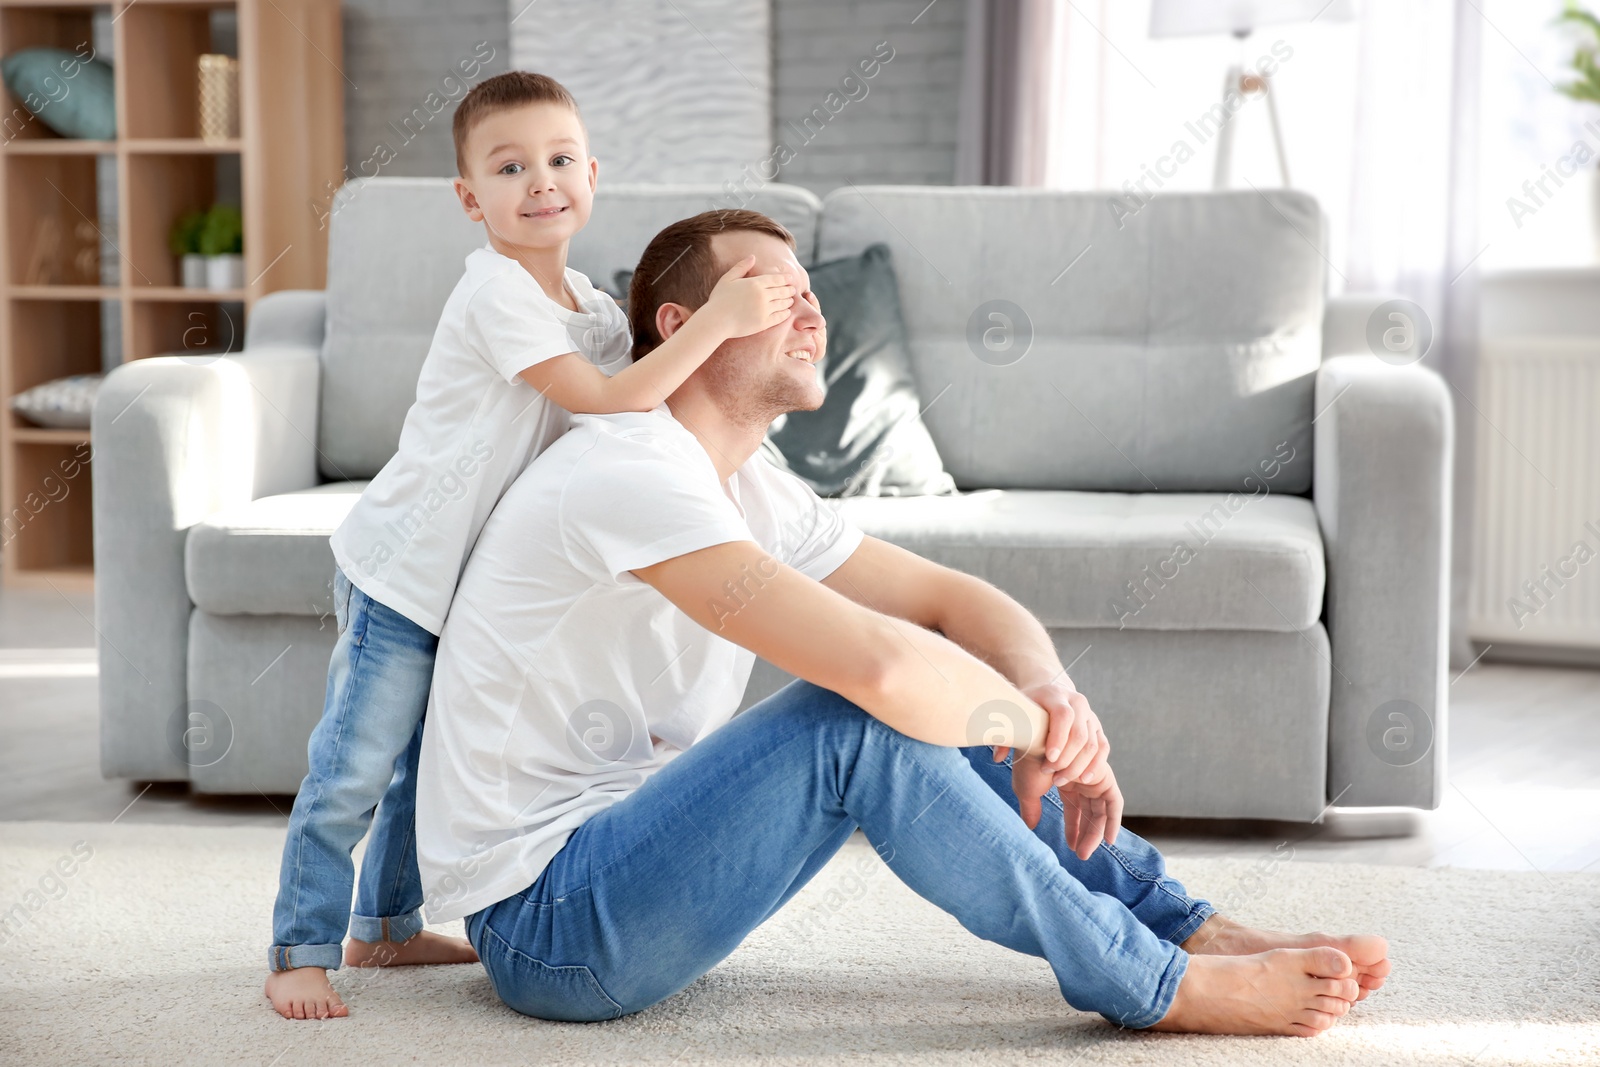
[
  {"x": 652, "y": 892},
  {"x": 363, "y": 751}
]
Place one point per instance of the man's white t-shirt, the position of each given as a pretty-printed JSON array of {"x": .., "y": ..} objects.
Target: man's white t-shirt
[
  {"x": 556, "y": 665},
  {"x": 472, "y": 429}
]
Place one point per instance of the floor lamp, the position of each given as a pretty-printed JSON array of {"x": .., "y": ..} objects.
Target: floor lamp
[{"x": 1195, "y": 18}]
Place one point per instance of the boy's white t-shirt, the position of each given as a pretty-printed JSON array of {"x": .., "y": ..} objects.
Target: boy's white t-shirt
[
  {"x": 472, "y": 429},
  {"x": 557, "y": 665}
]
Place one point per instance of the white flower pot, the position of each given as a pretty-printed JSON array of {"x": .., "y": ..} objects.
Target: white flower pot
[
  {"x": 225, "y": 272},
  {"x": 193, "y": 270}
]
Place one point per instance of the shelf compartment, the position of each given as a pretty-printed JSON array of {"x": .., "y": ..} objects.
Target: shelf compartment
[
  {"x": 166, "y": 187},
  {"x": 48, "y": 524},
  {"x": 52, "y": 220},
  {"x": 196, "y": 327},
  {"x": 42, "y": 25},
  {"x": 163, "y": 87},
  {"x": 51, "y": 339}
]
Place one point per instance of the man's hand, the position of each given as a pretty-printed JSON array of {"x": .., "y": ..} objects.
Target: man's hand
[
  {"x": 1076, "y": 762},
  {"x": 1073, "y": 735},
  {"x": 1093, "y": 813}
]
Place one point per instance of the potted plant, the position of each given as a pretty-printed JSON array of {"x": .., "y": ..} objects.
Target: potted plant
[
  {"x": 222, "y": 243},
  {"x": 184, "y": 241},
  {"x": 210, "y": 245}
]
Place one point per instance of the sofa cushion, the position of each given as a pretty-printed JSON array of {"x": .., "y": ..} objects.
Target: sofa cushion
[
  {"x": 1149, "y": 561},
  {"x": 1087, "y": 345},
  {"x": 396, "y": 249},
  {"x": 270, "y": 556}
]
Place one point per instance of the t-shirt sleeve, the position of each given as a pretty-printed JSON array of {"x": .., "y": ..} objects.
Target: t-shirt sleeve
[
  {"x": 512, "y": 325},
  {"x": 631, "y": 503},
  {"x": 816, "y": 538}
]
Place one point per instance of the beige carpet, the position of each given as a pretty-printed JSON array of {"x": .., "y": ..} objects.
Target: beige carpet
[{"x": 151, "y": 951}]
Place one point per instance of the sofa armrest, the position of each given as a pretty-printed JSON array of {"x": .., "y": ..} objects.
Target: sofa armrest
[
  {"x": 177, "y": 439},
  {"x": 1381, "y": 484},
  {"x": 295, "y": 317},
  {"x": 1344, "y": 323}
]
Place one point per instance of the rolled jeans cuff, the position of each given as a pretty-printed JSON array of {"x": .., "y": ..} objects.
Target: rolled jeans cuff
[
  {"x": 1199, "y": 912},
  {"x": 395, "y": 928},
  {"x": 288, "y": 957},
  {"x": 1166, "y": 991}
]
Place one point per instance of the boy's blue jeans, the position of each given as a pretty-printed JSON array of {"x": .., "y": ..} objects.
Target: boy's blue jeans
[
  {"x": 652, "y": 892},
  {"x": 362, "y": 752}
]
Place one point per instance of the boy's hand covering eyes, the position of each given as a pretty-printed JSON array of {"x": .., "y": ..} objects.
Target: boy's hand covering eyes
[{"x": 747, "y": 305}]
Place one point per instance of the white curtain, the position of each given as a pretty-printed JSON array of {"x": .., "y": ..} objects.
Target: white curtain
[
  {"x": 1412, "y": 223},
  {"x": 1380, "y": 121}
]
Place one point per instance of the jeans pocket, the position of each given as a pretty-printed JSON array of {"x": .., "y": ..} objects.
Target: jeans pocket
[{"x": 567, "y": 993}]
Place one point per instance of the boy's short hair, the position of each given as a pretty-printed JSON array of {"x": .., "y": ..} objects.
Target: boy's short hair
[
  {"x": 678, "y": 267},
  {"x": 512, "y": 89}
]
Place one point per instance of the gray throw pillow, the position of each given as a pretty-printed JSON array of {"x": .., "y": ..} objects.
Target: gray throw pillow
[
  {"x": 867, "y": 438},
  {"x": 65, "y": 403},
  {"x": 69, "y": 94},
  {"x": 620, "y": 281}
]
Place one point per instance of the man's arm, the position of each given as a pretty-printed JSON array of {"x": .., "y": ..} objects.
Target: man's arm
[
  {"x": 912, "y": 679},
  {"x": 969, "y": 611},
  {"x": 991, "y": 626}
]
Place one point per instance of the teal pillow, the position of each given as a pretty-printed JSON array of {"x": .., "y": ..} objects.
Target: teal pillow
[{"x": 70, "y": 95}]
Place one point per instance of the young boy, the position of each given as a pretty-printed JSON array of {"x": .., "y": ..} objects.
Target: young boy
[{"x": 523, "y": 340}]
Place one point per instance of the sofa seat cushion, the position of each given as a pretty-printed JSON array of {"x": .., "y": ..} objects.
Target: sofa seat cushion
[
  {"x": 270, "y": 556},
  {"x": 1156, "y": 561}
]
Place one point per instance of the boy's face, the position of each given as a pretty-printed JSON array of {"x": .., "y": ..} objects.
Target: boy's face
[{"x": 530, "y": 176}]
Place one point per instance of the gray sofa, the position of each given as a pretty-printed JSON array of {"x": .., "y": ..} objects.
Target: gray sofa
[{"x": 1230, "y": 515}]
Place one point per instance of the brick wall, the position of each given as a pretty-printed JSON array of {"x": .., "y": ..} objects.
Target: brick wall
[{"x": 902, "y": 129}]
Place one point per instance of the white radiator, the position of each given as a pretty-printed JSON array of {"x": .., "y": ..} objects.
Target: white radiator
[{"x": 1536, "y": 549}]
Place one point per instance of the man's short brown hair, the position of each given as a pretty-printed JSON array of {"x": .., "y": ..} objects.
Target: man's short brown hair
[
  {"x": 678, "y": 267},
  {"x": 512, "y": 89}
]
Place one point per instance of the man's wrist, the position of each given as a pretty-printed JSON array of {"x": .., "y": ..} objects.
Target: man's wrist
[{"x": 1036, "y": 675}]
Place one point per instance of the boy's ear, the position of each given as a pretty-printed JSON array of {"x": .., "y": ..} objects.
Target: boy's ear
[
  {"x": 469, "y": 202},
  {"x": 594, "y": 172}
]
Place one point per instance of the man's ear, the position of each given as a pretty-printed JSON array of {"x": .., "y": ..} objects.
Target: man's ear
[{"x": 669, "y": 317}]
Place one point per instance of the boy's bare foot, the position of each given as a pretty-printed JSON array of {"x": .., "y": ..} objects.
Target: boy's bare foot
[
  {"x": 426, "y": 947},
  {"x": 1221, "y": 936},
  {"x": 304, "y": 993},
  {"x": 1290, "y": 991}
]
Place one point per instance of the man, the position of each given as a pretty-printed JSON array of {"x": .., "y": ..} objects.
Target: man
[{"x": 588, "y": 802}]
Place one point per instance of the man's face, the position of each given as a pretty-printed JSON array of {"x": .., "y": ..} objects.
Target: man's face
[
  {"x": 530, "y": 174},
  {"x": 755, "y": 379}
]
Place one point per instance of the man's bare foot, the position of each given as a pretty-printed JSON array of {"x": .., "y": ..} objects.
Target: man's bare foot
[
  {"x": 426, "y": 947},
  {"x": 304, "y": 993},
  {"x": 1221, "y": 936},
  {"x": 1291, "y": 991}
]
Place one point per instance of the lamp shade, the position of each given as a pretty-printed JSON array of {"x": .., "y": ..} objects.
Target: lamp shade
[{"x": 1193, "y": 18}]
